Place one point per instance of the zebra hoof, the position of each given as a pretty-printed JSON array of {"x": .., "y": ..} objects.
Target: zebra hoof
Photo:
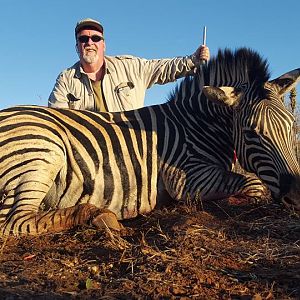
[{"x": 107, "y": 219}]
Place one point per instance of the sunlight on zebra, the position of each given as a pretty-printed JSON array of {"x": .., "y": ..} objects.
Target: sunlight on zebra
[{"x": 60, "y": 168}]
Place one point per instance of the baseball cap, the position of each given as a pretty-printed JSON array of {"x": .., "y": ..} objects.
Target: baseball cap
[{"x": 88, "y": 23}]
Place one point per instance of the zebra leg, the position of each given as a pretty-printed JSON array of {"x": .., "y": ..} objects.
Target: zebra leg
[
  {"x": 20, "y": 207},
  {"x": 248, "y": 186},
  {"x": 224, "y": 184},
  {"x": 60, "y": 220},
  {"x": 212, "y": 183},
  {"x": 107, "y": 219},
  {"x": 66, "y": 218}
]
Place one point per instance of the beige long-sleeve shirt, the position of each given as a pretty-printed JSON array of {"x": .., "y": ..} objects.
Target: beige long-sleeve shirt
[{"x": 124, "y": 83}]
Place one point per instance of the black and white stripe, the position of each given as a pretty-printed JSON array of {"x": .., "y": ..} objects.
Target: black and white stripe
[{"x": 54, "y": 160}]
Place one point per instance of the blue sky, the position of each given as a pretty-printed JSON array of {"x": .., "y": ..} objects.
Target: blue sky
[{"x": 38, "y": 36}]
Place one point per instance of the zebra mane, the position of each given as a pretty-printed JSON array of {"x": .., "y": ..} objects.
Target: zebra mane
[{"x": 229, "y": 68}]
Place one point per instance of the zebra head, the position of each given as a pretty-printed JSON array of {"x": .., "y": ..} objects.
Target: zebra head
[{"x": 263, "y": 130}]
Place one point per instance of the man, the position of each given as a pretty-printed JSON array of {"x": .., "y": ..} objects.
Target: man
[{"x": 114, "y": 83}]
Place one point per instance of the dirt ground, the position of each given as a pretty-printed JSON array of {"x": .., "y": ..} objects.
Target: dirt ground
[{"x": 225, "y": 250}]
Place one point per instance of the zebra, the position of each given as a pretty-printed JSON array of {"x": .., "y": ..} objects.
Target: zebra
[{"x": 60, "y": 168}]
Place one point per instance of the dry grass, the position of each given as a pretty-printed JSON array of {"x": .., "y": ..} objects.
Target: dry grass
[{"x": 221, "y": 252}]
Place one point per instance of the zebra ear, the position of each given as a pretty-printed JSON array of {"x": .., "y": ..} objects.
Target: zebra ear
[
  {"x": 225, "y": 95},
  {"x": 285, "y": 82}
]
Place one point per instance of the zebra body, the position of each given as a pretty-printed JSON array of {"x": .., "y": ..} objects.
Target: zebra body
[{"x": 60, "y": 167}]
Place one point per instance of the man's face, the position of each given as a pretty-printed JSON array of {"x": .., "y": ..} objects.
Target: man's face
[{"x": 91, "y": 46}]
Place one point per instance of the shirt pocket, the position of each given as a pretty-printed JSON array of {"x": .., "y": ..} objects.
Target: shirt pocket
[
  {"x": 74, "y": 102},
  {"x": 125, "y": 92}
]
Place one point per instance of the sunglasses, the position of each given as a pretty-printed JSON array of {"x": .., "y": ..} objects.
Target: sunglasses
[{"x": 85, "y": 38}]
